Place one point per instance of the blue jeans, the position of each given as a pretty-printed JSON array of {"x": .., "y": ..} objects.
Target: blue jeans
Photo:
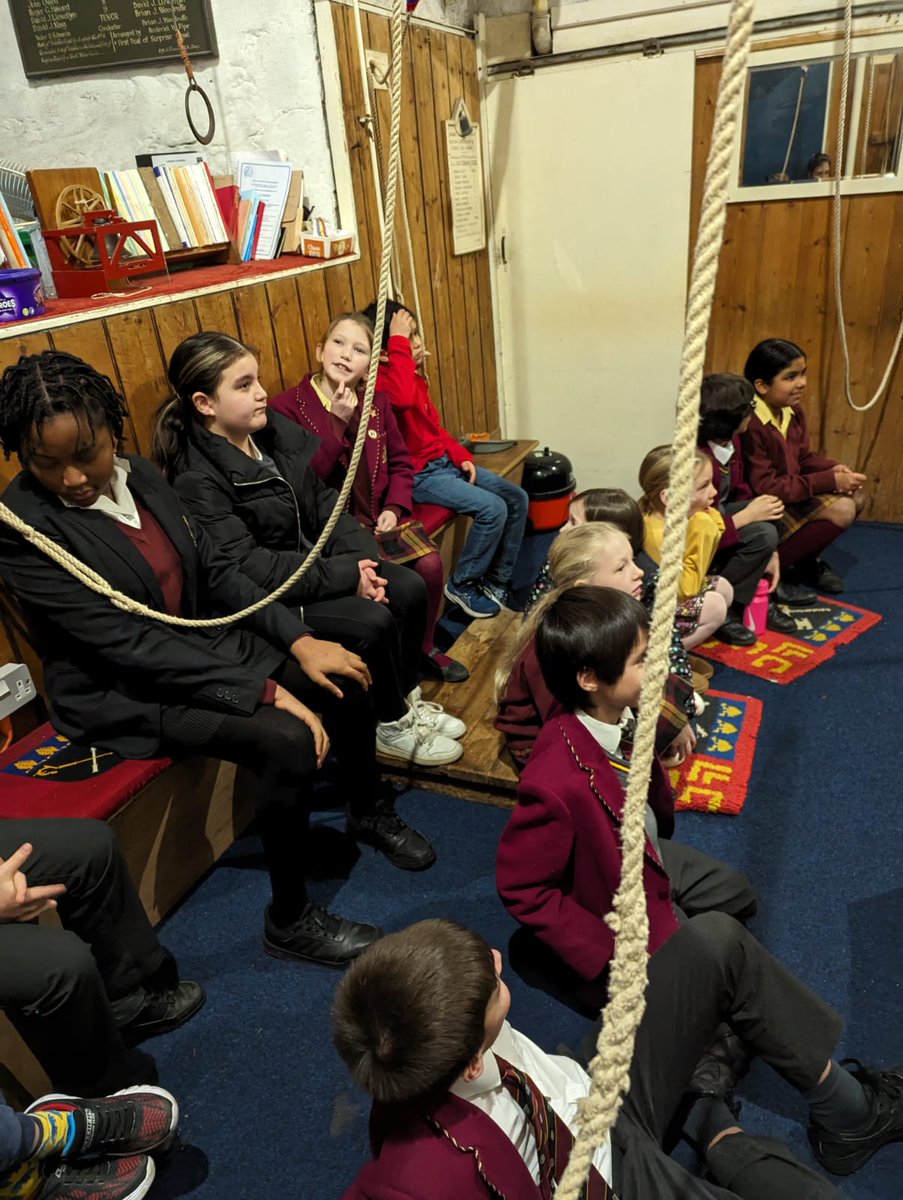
[{"x": 499, "y": 511}]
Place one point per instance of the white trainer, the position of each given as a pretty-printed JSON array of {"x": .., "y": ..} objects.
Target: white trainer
[
  {"x": 434, "y": 716},
  {"x": 412, "y": 740}
]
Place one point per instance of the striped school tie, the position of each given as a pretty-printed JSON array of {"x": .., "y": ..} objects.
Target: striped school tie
[{"x": 553, "y": 1138}]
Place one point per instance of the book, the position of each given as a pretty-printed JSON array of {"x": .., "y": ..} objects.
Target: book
[
  {"x": 10, "y": 242},
  {"x": 159, "y": 208},
  {"x": 168, "y": 158},
  {"x": 170, "y": 201},
  {"x": 178, "y": 199}
]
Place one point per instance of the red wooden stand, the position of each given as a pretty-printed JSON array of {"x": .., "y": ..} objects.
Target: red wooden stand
[{"x": 116, "y": 267}]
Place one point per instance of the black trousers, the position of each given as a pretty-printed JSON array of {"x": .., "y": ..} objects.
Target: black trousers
[
  {"x": 711, "y": 971},
  {"x": 280, "y": 750},
  {"x": 56, "y": 984},
  {"x": 388, "y": 638},
  {"x": 743, "y": 565}
]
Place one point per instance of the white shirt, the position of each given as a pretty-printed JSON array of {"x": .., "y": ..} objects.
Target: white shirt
[
  {"x": 724, "y": 454},
  {"x": 609, "y": 738},
  {"x": 122, "y": 507},
  {"x": 562, "y": 1081}
]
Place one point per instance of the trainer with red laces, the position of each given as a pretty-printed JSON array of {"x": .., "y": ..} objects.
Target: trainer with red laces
[
  {"x": 67, "y": 1148},
  {"x": 83, "y": 996}
]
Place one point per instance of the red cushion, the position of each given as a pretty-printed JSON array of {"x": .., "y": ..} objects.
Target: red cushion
[
  {"x": 100, "y": 797},
  {"x": 433, "y": 516}
]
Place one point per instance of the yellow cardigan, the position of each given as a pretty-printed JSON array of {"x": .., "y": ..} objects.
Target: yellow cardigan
[{"x": 703, "y": 535}]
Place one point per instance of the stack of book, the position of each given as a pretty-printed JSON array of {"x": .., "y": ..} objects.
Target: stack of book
[
  {"x": 12, "y": 252},
  {"x": 179, "y": 197}
]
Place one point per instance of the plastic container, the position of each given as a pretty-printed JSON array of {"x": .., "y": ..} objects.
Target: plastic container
[
  {"x": 755, "y": 615},
  {"x": 21, "y": 294},
  {"x": 548, "y": 480}
]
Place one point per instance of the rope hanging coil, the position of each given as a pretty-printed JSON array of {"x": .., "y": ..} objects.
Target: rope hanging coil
[
  {"x": 91, "y": 579},
  {"x": 838, "y": 248},
  {"x": 610, "y": 1068}
]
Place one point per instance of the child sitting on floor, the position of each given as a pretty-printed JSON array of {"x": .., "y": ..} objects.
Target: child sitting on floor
[
  {"x": 559, "y": 859},
  {"x": 747, "y": 552},
  {"x": 601, "y": 554},
  {"x": 705, "y": 599},
  {"x": 466, "y": 1107},
  {"x": 328, "y": 404},
  {"x": 447, "y": 475},
  {"x": 821, "y": 496}
]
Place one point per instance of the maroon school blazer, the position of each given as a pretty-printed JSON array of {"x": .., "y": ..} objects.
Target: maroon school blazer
[{"x": 558, "y": 864}]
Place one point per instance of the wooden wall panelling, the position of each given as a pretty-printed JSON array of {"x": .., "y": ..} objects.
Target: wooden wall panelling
[
  {"x": 443, "y": 101},
  {"x": 359, "y": 150},
  {"x": 216, "y": 311},
  {"x": 133, "y": 340},
  {"x": 174, "y": 323},
  {"x": 484, "y": 313},
  {"x": 89, "y": 341},
  {"x": 315, "y": 310},
  {"x": 288, "y": 329},
  {"x": 434, "y": 208},
  {"x": 470, "y": 291},
  {"x": 339, "y": 293},
  {"x": 256, "y": 331}
]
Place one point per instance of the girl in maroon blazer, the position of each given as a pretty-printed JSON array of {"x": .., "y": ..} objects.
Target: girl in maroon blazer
[
  {"x": 559, "y": 859},
  {"x": 328, "y": 404},
  {"x": 821, "y": 497}
]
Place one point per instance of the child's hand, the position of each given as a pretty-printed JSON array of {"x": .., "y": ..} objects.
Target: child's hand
[
  {"x": 19, "y": 902},
  {"x": 291, "y": 704},
  {"x": 344, "y": 402},
  {"x": 681, "y": 748},
  {"x": 847, "y": 480},
  {"x": 386, "y": 520},
  {"x": 765, "y": 508},
  {"x": 772, "y": 572},
  {"x": 318, "y": 660},
  {"x": 402, "y": 324},
  {"x": 469, "y": 471}
]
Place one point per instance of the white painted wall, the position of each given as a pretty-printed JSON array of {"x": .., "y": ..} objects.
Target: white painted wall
[
  {"x": 266, "y": 89},
  {"x": 591, "y": 185}
]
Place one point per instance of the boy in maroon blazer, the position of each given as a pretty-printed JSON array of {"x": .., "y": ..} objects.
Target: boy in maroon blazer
[
  {"x": 559, "y": 859},
  {"x": 467, "y": 1108}
]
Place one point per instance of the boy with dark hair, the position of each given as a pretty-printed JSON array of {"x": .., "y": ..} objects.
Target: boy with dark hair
[
  {"x": 467, "y": 1108},
  {"x": 559, "y": 859},
  {"x": 748, "y": 550}
]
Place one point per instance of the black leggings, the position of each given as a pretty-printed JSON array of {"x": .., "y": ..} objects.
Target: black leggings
[{"x": 280, "y": 750}]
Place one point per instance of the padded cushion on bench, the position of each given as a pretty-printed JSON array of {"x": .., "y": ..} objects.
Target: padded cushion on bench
[
  {"x": 23, "y": 794},
  {"x": 433, "y": 516}
]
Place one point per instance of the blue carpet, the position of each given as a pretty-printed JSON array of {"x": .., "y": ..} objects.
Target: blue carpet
[{"x": 267, "y": 1107}]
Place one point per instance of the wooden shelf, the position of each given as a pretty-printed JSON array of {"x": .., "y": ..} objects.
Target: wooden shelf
[{"x": 196, "y": 281}]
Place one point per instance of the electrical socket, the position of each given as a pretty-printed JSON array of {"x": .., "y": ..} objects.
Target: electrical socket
[{"x": 16, "y": 688}]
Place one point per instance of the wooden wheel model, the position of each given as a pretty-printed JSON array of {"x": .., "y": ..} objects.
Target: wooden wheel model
[{"x": 72, "y": 205}]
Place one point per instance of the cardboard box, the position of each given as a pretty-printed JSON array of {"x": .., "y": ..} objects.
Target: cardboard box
[{"x": 314, "y": 245}]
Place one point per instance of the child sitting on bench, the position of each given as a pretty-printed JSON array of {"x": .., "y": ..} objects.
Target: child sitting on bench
[{"x": 447, "y": 475}]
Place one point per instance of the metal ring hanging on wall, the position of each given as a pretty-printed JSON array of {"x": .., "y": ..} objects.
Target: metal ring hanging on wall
[{"x": 193, "y": 86}]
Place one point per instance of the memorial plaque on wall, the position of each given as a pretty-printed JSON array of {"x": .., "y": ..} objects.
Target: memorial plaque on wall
[{"x": 59, "y": 37}]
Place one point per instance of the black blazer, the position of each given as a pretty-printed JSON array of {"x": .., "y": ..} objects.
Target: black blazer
[
  {"x": 266, "y": 524},
  {"x": 108, "y": 672}
]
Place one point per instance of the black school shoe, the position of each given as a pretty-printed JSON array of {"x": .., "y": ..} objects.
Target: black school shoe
[
  {"x": 724, "y": 1063},
  {"x": 403, "y": 846},
  {"x": 319, "y": 936},
  {"x": 794, "y": 594},
  {"x": 779, "y": 621},
  {"x": 844, "y": 1153},
  {"x": 825, "y": 579},
  {"x": 162, "y": 1011},
  {"x": 735, "y": 633}
]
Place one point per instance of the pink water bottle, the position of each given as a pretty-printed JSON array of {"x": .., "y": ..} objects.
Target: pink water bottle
[{"x": 755, "y": 614}]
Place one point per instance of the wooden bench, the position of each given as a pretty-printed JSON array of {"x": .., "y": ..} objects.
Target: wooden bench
[{"x": 484, "y": 772}]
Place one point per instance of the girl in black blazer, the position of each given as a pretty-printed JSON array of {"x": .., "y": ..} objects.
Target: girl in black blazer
[{"x": 247, "y": 693}]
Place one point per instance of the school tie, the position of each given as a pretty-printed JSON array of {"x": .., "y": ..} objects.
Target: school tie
[{"x": 553, "y": 1138}]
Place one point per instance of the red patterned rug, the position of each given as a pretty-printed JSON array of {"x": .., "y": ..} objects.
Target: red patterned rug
[
  {"x": 820, "y": 629},
  {"x": 716, "y": 778}
]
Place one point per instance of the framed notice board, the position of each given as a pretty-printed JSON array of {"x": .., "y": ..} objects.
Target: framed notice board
[{"x": 60, "y": 37}]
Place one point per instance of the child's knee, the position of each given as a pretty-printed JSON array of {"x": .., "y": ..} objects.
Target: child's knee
[
  {"x": 493, "y": 510},
  {"x": 842, "y": 512}
]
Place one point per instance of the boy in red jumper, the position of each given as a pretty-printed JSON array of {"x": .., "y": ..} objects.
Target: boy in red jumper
[{"x": 445, "y": 474}]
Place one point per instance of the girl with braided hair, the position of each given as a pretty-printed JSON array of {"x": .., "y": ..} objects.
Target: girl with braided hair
[{"x": 248, "y": 692}]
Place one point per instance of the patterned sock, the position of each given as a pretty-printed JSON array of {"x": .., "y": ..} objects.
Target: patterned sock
[
  {"x": 21, "y": 1182},
  {"x": 57, "y": 1132}
]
